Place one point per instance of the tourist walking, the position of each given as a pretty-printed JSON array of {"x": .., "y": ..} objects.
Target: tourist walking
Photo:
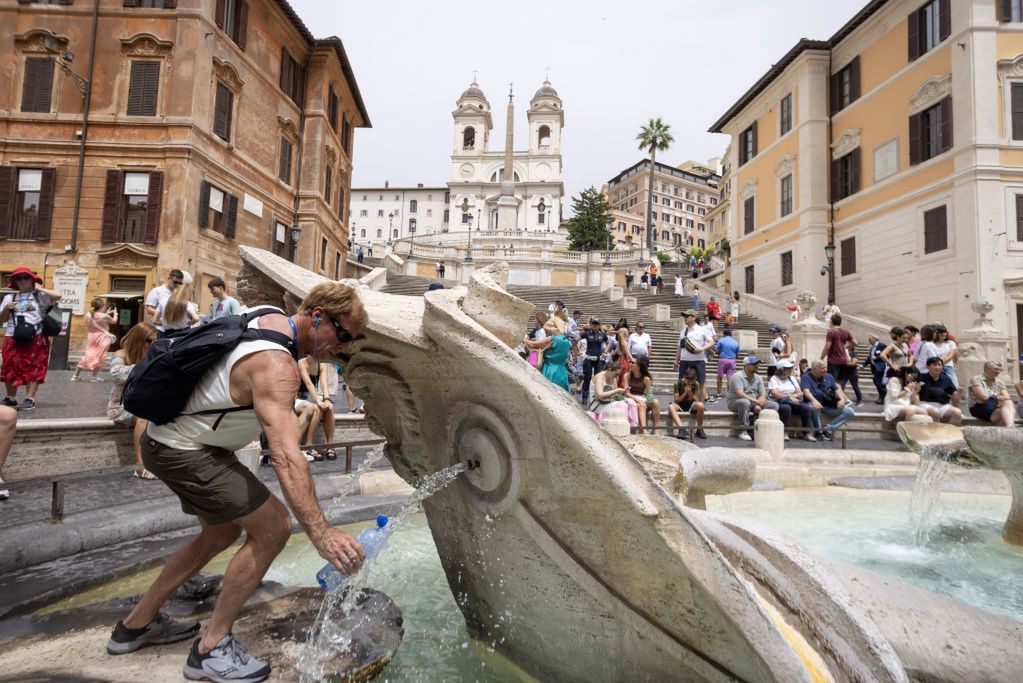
[
  {"x": 989, "y": 397},
  {"x": 747, "y": 396},
  {"x": 852, "y": 375},
  {"x": 222, "y": 303},
  {"x": 177, "y": 312},
  {"x": 679, "y": 287},
  {"x": 777, "y": 347},
  {"x": 822, "y": 391},
  {"x": 629, "y": 278},
  {"x": 902, "y": 395},
  {"x": 197, "y": 463},
  {"x": 640, "y": 343},
  {"x": 713, "y": 312},
  {"x": 26, "y": 350},
  {"x": 691, "y": 351},
  {"x": 159, "y": 295},
  {"x": 687, "y": 400},
  {"x": 696, "y": 297},
  {"x": 97, "y": 341},
  {"x": 644, "y": 281},
  {"x": 877, "y": 366},
  {"x": 727, "y": 350},
  {"x": 897, "y": 355},
  {"x": 596, "y": 341},
  {"x": 134, "y": 346},
  {"x": 359, "y": 255},
  {"x": 8, "y": 425},
  {"x": 835, "y": 350},
  {"x": 556, "y": 348},
  {"x": 733, "y": 308}
]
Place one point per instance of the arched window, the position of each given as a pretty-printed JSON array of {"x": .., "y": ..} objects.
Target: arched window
[
  {"x": 413, "y": 206},
  {"x": 380, "y": 233},
  {"x": 469, "y": 138},
  {"x": 544, "y": 137},
  {"x": 395, "y": 232},
  {"x": 498, "y": 176},
  {"x": 412, "y": 225},
  {"x": 362, "y": 233}
]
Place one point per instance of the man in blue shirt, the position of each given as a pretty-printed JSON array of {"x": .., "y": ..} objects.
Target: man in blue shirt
[
  {"x": 596, "y": 346},
  {"x": 727, "y": 350},
  {"x": 222, "y": 303},
  {"x": 824, "y": 394}
]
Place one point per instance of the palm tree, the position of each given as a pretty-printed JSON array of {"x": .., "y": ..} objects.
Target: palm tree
[{"x": 653, "y": 137}]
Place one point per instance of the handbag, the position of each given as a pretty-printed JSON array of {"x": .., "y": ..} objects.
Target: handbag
[
  {"x": 51, "y": 324},
  {"x": 24, "y": 332},
  {"x": 688, "y": 344}
]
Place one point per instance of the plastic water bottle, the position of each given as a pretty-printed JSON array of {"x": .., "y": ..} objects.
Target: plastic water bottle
[{"x": 371, "y": 539}]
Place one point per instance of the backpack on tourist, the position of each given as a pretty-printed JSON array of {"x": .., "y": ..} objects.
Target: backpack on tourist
[{"x": 160, "y": 385}]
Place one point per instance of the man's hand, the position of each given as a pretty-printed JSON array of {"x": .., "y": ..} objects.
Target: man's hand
[
  {"x": 339, "y": 548},
  {"x": 817, "y": 405},
  {"x": 762, "y": 401},
  {"x": 840, "y": 404}
]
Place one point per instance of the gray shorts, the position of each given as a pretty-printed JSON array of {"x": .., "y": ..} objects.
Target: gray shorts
[{"x": 210, "y": 482}]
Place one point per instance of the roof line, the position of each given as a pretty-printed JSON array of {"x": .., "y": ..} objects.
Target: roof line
[
  {"x": 804, "y": 44},
  {"x": 339, "y": 49}
]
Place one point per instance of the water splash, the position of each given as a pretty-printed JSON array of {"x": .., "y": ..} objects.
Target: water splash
[
  {"x": 326, "y": 639},
  {"x": 926, "y": 490}
]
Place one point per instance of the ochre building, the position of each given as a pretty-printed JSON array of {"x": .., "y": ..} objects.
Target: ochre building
[
  {"x": 211, "y": 124},
  {"x": 900, "y": 141}
]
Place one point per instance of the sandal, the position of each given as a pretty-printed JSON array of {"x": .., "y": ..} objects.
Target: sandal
[
  {"x": 314, "y": 454},
  {"x": 144, "y": 474},
  {"x": 330, "y": 454}
]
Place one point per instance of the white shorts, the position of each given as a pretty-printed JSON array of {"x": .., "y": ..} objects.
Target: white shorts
[{"x": 942, "y": 408}]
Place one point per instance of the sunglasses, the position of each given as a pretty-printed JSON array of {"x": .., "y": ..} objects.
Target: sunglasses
[
  {"x": 21, "y": 278},
  {"x": 177, "y": 282},
  {"x": 343, "y": 335}
]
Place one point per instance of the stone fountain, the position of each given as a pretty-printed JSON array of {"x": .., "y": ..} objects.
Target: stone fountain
[{"x": 569, "y": 557}]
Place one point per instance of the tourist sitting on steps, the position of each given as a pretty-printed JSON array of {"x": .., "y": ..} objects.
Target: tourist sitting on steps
[
  {"x": 608, "y": 396},
  {"x": 8, "y": 424},
  {"x": 937, "y": 392},
  {"x": 257, "y": 380},
  {"x": 826, "y": 396},
  {"x": 989, "y": 397},
  {"x": 747, "y": 396},
  {"x": 902, "y": 396},
  {"x": 687, "y": 400},
  {"x": 641, "y": 390},
  {"x": 785, "y": 390}
]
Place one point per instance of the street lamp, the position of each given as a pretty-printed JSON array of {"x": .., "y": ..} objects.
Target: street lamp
[
  {"x": 412, "y": 236},
  {"x": 607, "y": 242},
  {"x": 52, "y": 44},
  {"x": 542, "y": 207},
  {"x": 295, "y": 231},
  {"x": 390, "y": 229},
  {"x": 829, "y": 251},
  {"x": 467, "y": 217}
]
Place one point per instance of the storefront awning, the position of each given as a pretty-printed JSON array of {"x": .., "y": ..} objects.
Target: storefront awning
[{"x": 121, "y": 295}]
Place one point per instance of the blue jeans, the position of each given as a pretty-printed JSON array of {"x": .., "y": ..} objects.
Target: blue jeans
[{"x": 839, "y": 417}]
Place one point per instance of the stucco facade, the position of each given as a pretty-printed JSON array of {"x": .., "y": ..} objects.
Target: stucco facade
[
  {"x": 913, "y": 173},
  {"x": 229, "y": 142}
]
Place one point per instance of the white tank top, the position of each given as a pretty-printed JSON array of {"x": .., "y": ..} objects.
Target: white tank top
[{"x": 213, "y": 392}]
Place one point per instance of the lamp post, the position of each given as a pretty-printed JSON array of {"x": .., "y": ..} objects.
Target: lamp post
[
  {"x": 295, "y": 231},
  {"x": 412, "y": 236},
  {"x": 464, "y": 206},
  {"x": 829, "y": 251},
  {"x": 542, "y": 207},
  {"x": 390, "y": 230}
]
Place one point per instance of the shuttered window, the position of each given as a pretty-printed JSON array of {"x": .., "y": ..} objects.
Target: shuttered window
[
  {"x": 845, "y": 86},
  {"x": 847, "y": 249},
  {"x": 323, "y": 253},
  {"x": 38, "y": 85},
  {"x": 284, "y": 169},
  {"x": 935, "y": 230},
  {"x": 1019, "y": 218},
  {"x": 333, "y": 104},
  {"x": 930, "y": 132},
  {"x": 748, "y": 144},
  {"x": 786, "y": 196},
  {"x": 152, "y": 4},
  {"x": 292, "y": 77},
  {"x": 845, "y": 176},
  {"x": 750, "y": 280},
  {"x": 1011, "y": 10},
  {"x": 143, "y": 88},
  {"x": 748, "y": 215},
  {"x": 328, "y": 184},
  {"x": 786, "y": 269},
  {"x": 785, "y": 115},
  {"x": 26, "y": 203},
  {"x": 222, "y": 110},
  {"x": 928, "y": 26},
  {"x": 1017, "y": 110},
  {"x": 132, "y": 207},
  {"x": 233, "y": 17},
  {"x": 218, "y": 210}
]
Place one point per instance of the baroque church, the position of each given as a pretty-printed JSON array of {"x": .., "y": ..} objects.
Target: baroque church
[{"x": 507, "y": 189}]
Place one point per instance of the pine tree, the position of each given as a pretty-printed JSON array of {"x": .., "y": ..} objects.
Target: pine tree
[{"x": 588, "y": 229}]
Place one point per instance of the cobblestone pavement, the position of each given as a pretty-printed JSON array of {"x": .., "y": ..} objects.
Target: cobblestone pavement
[{"x": 32, "y": 504}]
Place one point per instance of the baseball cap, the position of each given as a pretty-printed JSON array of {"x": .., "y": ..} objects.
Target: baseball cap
[
  {"x": 751, "y": 360},
  {"x": 786, "y": 363},
  {"x": 595, "y": 321},
  {"x": 688, "y": 312},
  {"x": 775, "y": 328}
]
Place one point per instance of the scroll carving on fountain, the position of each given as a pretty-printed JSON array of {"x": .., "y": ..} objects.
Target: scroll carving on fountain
[{"x": 566, "y": 554}]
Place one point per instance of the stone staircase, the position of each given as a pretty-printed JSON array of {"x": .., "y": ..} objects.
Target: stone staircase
[{"x": 591, "y": 301}]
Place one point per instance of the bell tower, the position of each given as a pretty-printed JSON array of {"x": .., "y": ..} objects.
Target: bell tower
[
  {"x": 546, "y": 119},
  {"x": 473, "y": 123}
]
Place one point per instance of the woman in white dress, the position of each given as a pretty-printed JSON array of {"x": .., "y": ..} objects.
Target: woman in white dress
[
  {"x": 903, "y": 399},
  {"x": 679, "y": 291}
]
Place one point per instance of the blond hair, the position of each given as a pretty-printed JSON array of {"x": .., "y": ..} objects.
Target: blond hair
[
  {"x": 134, "y": 343},
  {"x": 336, "y": 300},
  {"x": 176, "y": 308}
]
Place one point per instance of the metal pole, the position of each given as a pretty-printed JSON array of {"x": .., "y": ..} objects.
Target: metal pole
[{"x": 85, "y": 129}]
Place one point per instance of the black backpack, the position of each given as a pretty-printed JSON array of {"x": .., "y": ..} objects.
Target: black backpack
[{"x": 160, "y": 385}]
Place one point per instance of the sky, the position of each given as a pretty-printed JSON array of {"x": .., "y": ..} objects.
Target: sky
[{"x": 614, "y": 64}]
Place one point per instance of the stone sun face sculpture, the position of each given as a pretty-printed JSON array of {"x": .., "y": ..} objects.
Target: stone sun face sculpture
[{"x": 563, "y": 553}]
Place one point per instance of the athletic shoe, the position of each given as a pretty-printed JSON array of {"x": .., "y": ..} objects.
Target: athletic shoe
[
  {"x": 859, "y": 404},
  {"x": 10, "y": 402},
  {"x": 745, "y": 436},
  {"x": 27, "y": 405},
  {"x": 700, "y": 434},
  {"x": 309, "y": 457},
  {"x": 159, "y": 631},
  {"x": 4, "y": 493},
  {"x": 810, "y": 437},
  {"x": 828, "y": 436},
  {"x": 878, "y": 402},
  {"x": 227, "y": 662},
  {"x": 681, "y": 434},
  {"x": 74, "y": 379}
]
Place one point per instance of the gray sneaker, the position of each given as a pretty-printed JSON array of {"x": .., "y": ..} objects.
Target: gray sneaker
[
  {"x": 159, "y": 631},
  {"x": 227, "y": 662},
  {"x": 4, "y": 493}
]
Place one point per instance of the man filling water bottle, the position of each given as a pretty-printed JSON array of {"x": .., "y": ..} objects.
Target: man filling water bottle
[{"x": 372, "y": 540}]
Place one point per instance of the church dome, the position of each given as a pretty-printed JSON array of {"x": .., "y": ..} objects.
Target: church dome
[
  {"x": 474, "y": 91},
  {"x": 546, "y": 90}
]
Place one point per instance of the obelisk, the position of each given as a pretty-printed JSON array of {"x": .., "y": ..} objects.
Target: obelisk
[{"x": 507, "y": 204}]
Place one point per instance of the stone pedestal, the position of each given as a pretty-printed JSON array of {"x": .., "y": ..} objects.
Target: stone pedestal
[
  {"x": 769, "y": 433},
  {"x": 615, "y": 293},
  {"x": 657, "y": 312},
  {"x": 616, "y": 422},
  {"x": 1001, "y": 448},
  {"x": 748, "y": 340},
  {"x": 629, "y": 302},
  {"x": 980, "y": 343},
  {"x": 607, "y": 279},
  {"x": 507, "y": 211},
  {"x": 808, "y": 334}
]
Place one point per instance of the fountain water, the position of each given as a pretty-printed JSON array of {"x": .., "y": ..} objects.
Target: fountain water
[{"x": 926, "y": 490}]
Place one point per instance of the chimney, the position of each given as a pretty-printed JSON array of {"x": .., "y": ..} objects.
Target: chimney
[
  {"x": 387, "y": 184},
  {"x": 419, "y": 185}
]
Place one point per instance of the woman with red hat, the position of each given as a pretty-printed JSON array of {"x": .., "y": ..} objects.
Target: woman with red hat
[{"x": 26, "y": 350}]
